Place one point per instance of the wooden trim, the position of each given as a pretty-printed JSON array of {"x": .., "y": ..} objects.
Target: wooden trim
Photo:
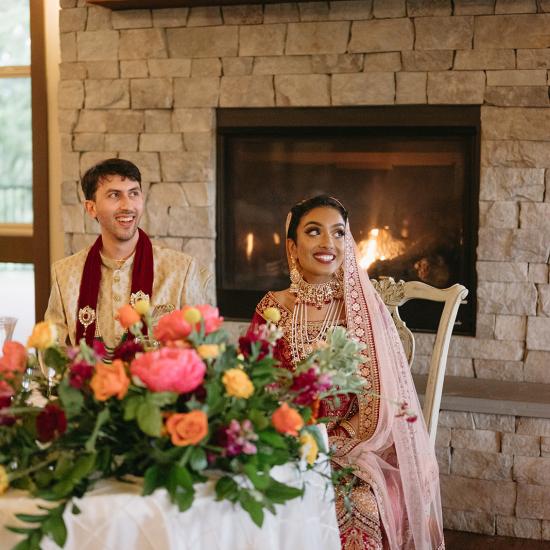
[
  {"x": 153, "y": 4},
  {"x": 41, "y": 223},
  {"x": 318, "y": 117},
  {"x": 16, "y": 249},
  {"x": 16, "y": 229},
  {"x": 15, "y": 72}
]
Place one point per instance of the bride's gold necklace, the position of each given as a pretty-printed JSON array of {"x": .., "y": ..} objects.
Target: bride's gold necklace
[{"x": 317, "y": 295}]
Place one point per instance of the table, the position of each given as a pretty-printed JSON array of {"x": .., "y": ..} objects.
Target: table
[{"x": 115, "y": 517}]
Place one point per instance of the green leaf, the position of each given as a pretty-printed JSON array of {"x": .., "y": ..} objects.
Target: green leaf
[
  {"x": 227, "y": 488},
  {"x": 71, "y": 398},
  {"x": 162, "y": 398},
  {"x": 63, "y": 488},
  {"x": 63, "y": 465},
  {"x": 153, "y": 478},
  {"x": 252, "y": 506},
  {"x": 23, "y": 545},
  {"x": 83, "y": 467},
  {"x": 280, "y": 493},
  {"x": 101, "y": 418},
  {"x": 20, "y": 530},
  {"x": 314, "y": 431},
  {"x": 179, "y": 477},
  {"x": 55, "y": 358},
  {"x": 198, "y": 460},
  {"x": 131, "y": 406},
  {"x": 149, "y": 419},
  {"x": 259, "y": 419},
  {"x": 30, "y": 518},
  {"x": 184, "y": 499},
  {"x": 55, "y": 527},
  {"x": 273, "y": 438},
  {"x": 258, "y": 479}
]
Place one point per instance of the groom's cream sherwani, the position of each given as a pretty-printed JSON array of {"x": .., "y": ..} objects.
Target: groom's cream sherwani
[{"x": 178, "y": 280}]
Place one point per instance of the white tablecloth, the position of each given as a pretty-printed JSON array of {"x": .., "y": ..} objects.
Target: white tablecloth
[{"x": 115, "y": 517}]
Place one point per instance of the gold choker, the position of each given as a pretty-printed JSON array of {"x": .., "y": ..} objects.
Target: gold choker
[{"x": 316, "y": 294}]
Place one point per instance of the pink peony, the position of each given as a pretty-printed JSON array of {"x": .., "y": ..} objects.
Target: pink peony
[
  {"x": 172, "y": 327},
  {"x": 169, "y": 369},
  {"x": 211, "y": 317}
]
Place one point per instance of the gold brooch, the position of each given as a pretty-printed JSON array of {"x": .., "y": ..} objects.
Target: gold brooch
[
  {"x": 86, "y": 316},
  {"x": 137, "y": 296}
]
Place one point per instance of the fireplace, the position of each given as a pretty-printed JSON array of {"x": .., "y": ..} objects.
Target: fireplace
[{"x": 408, "y": 175}]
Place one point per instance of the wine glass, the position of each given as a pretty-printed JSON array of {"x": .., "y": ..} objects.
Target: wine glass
[{"x": 7, "y": 326}]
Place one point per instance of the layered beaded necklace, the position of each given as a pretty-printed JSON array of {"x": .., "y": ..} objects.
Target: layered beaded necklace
[{"x": 317, "y": 295}]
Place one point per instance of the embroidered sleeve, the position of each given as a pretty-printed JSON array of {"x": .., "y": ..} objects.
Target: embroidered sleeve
[
  {"x": 55, "y": 313},
  {"x": 198, "y": 287}
]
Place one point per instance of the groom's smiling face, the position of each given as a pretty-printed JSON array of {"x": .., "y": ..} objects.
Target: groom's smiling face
[{"x": 117, "y": 206}]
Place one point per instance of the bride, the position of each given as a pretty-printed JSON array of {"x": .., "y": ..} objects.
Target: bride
[{"x": 395, "y": 494}]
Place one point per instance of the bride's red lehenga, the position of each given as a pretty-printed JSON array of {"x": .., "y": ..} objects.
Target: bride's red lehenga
[
  {"x": 395, "y": 495},
  {"x": 361, "y": 528}
]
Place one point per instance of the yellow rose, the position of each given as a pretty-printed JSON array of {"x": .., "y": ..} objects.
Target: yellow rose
[
  {"x": 142, "y": 307},
  {"x": 272, "y": 314},
  {"x": 237, "y": 383},
  {"x": 208, "y": 351},
  {"x": 4, "y": 480},
  {"x": 192, "y": 315},
  {"x": 309, "y": 448},
  {"x": 44, "y": 335}
]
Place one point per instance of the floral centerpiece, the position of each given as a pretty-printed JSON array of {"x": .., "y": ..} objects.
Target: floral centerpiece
[{"x": 176, "y": 405}]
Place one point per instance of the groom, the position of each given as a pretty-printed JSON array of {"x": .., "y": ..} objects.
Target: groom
[{"x": 122, "y": 266}]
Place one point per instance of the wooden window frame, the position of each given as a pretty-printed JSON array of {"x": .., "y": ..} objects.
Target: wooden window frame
[{"x": 18, "y": 242}]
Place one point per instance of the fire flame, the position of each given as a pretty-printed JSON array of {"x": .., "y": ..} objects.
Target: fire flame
[{"x": 380, "y": 245}]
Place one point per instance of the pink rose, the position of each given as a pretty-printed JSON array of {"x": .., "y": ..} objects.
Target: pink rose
[
  {"x": 211, "y": 317},
  {"x": 169, "y": 369},
  {"x": 172, "y": 327}
]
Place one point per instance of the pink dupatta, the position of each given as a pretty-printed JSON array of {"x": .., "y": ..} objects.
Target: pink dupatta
[{"x": 408, "y": 495}]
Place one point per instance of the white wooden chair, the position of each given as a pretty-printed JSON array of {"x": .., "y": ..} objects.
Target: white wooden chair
[{"x": 395, "y": 294}]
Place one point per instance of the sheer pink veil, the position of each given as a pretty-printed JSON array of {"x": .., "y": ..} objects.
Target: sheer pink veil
[{"x": 408, "y": 496}]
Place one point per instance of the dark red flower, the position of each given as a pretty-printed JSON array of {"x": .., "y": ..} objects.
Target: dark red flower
[
  {"x": 250, "y": 338},
  {"x": 127, "y": 350},
  {"x": 51, "y": 423},
  {"x": 5, "y": 402},
  {"x": 80, "y": 373},
  {"x": 308, "y": 385},
  {"x": 99, "y": 349}
]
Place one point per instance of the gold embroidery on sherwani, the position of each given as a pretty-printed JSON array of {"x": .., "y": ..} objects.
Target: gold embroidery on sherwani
[{"x": 178, "y": 280}]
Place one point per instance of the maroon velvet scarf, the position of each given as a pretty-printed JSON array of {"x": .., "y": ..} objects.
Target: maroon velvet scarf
[{"x": 142, "y": 280}]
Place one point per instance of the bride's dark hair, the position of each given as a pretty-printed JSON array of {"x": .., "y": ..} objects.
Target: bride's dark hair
[{"x": 298, "y": 211}]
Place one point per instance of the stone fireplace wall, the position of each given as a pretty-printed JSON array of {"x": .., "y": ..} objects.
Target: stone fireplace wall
[{"x": 144, "y": 85}]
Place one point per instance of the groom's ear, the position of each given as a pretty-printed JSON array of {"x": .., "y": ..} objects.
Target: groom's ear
[{"x": 90, "y": 208}]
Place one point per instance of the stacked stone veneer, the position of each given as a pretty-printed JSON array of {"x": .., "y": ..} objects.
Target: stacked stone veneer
[{"x": 144, "y": 85}]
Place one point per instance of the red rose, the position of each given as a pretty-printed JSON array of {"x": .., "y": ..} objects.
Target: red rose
[
  {"x": 250, "y": 338},
  {"x": 51, "y": 423},
  {"x": 80, "y": 373}
]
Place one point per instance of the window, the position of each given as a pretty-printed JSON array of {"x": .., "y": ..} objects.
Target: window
[{"x": 24, "y": 244}]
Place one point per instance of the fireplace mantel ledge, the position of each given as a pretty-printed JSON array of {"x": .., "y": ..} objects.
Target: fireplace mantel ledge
[
  {"x": 155, "y": 4},
  {"x": 492, "y": 396}
]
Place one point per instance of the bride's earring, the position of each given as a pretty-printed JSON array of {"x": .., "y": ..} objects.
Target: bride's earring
[{"x": 294, "y": 275}]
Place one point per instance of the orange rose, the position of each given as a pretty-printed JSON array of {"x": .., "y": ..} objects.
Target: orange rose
[
  {"x": 286, "y": 420},
  {"x": 187, "y": 428},
  {"x": 110, "y": 380},
  {"x": 127, "y": 316}
]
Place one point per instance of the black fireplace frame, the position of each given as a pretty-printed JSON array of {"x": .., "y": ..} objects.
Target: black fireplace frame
[{"x": 463, "y": 119}]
